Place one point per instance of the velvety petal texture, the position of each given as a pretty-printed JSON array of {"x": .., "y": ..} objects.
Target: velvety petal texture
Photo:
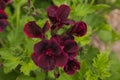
[
  {"x": 46, "y": 62},
  {"x": 32, "y": 30},
  {"x": 51, "y": 12},
  {"x": 63, "y": 12},
  {"x": 3, "y": 24},
  {"x": 61, "y": 59},
  {"x": 46, "y": 27},
  {"x": 35, "y": 57},
  {"x": 70, "y": 46},
  {"x": 58, "y": 15},
  {"x": 49, "y": 54},
  {"x": 79, "y": 29},
  {"x": 72, "y": 66},
  {"x": 59, "y": 50},
  {"x": 3, "y": 3},
  {"x": 3, "y": 20},
  {"x": 3, "y": 15}
]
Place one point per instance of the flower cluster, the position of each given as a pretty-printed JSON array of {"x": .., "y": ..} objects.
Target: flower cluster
[
  {"x": 59, "y": 50},
  {"x": 3, "y": 15}
]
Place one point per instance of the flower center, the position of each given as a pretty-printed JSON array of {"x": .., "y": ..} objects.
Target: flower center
[{"x": 49, "y": 52}]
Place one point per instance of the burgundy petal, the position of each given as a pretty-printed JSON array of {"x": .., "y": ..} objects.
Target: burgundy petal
[
  {"x": 72, "y": 55},
  {"x": 3, "y": 15},
  {"x": 32, "y": 30},
  {"x": 70, "y": 46},
  {"x": 57, "y": 25},
  {"x": 79, "y": 29},
  {"x": 51, "y": 12},
  {"x": 35, "y": 57},
  {"x": 54, "y": 45},
  {"x": 41, "y": 46},
  {"x": 68, "y": 37},
  {"x": 3, "y": 24},
  {"x": 2, "y": 4},
  {"x": 63, "y": 12},
  {"x": 61, "y": 59},
  {"x": 58, "y": 39},
  {"x": 46, "y": 27},
  {"x": 68, "y": 22},
  {"x": 7, "y": 1},
  {"x": 71, "y": 67},
  {"x": 47, "y": 63}
]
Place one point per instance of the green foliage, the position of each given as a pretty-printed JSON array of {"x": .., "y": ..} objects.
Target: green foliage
[
  {"x": 16, "y": 48},
  {"x": 100, "y": 68},
  {"x": 10, "y": 76},
  {"x": 23, "y": 77}
]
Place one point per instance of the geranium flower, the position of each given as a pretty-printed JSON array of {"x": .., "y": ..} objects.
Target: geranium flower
[
  {"x": 79, "y": 29},
  {"x": 3, "y": 15},
  {"x": 72, "y": 66},
  {"x": 59, "y": 15},
  {"x": 33, "y": 30},
  {"x": 68, "y": 45},
  {"x": 3, "y": 24},
  {"x": 3, "y": 3},
  {"x": 3, "y": 20},
  {"x": 48, "y": 54}
]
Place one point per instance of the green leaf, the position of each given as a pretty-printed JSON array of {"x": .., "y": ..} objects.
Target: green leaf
[
  {"x": 59, "y": 2},
  {"x": 91, "y": 76},
  {"x": 66, "y": 77},
  {"x": 83, "y": 10},
  {"x": 9, "y": 65},
  {"x": 40, "y": 75},
  {"x": 101, "y": 6},
  {"x": 26, "y": 68},
  {"x": 23, "y": 77},
  {"x": 10, "y": 61},
  {"x": 101, "y": 64},
  {"x": 9, "y": 76}
]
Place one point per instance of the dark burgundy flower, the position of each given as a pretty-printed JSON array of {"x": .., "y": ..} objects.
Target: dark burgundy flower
[
  {"x": 46, "y": 27},
  {"x": 3, "y": 3},
  {"x": 71, "y": 47},
  {"x": 48, "y": 54},
  {"x": 59, "y": 15},
  {"x": 67, "y": 37},
  {"x": 72, "y": 66},
  {"x": 32, "y": 30},
  {"x": 3, "y": 15},
  {"x": 3, "y": 24},
  {"x": 68, "y": 44},
  {"x": 7, "y": 1},
  {"x": 79, "y": 29}
]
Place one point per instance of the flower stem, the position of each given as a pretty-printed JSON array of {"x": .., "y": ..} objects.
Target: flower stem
[{"x": 46, "y": 76}]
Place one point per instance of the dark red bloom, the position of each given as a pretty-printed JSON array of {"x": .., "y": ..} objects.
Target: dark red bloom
[
  {"x": 68, "y": 45},
  {"x": 33, "y": 30},
  {"x": 71, "y": 47},
  {"x": 48, "y": 54},
  {"x": 3, "y": 24},
  {"x": 79, "y": 29},
  {"x": 3, "y": 15},
  {"x": 3, "y": 20},
  {"x": 72, "y": 66},
  {"x": 59, "y": 15},
  {"x": 3, "y": 3}
]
